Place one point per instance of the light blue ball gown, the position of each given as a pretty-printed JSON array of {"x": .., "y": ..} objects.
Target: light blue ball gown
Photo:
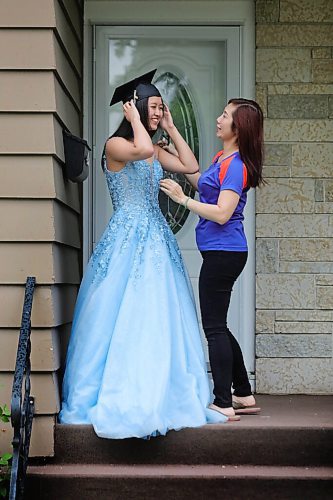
[{"x": 135, "y": 365}]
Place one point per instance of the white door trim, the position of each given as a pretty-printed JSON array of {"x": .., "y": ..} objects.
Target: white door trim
[{"x": 177, "y": 13}]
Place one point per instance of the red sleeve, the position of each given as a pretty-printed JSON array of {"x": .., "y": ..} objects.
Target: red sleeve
[
  {"x": 233, "y": 175},
  {"x": 217, "y": 155}
]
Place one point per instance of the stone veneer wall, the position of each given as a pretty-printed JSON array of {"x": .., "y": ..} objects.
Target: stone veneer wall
[{"x": 294, "y": 221}]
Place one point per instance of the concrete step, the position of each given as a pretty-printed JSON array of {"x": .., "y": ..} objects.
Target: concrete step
[
  {"x": 179, "y": 482},
  {"x": 291, "y": 430},
  {"x": 230, "y": 444}
]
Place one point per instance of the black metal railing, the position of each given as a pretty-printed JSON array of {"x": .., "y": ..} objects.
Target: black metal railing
[{"x": 22, "y": 404}]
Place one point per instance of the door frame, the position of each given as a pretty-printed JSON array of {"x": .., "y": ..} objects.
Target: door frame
[
  {"x": 217, "y": 13},
  {"x": 227, "y": 36}
]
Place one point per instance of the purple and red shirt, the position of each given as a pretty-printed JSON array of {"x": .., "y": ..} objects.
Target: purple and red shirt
[{"x": 230, "y": 174}]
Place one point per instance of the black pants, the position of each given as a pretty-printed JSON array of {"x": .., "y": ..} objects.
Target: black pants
[{"x": 218, "y": 273}]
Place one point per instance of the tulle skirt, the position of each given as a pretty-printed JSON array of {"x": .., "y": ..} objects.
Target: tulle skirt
[{"x": 135, "y": 365}]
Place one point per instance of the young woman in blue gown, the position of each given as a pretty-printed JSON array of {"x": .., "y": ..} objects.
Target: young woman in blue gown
[{"x": 135, "y": 365}]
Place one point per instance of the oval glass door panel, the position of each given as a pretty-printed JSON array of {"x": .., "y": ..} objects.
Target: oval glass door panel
[{"x": 174, "y": 93}]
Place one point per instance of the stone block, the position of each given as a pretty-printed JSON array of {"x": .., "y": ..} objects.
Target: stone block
[
  {"x": 297, "y": 35},
  {"x": 305, "y": 267},
  {"x": 294, "y": 376},
  {"x": 319, "y": 190},
  {"x": 267, "y": 11},
  {"x": 324, "y": 297},
  {"x": 330, "y": 106},
  {"x": 298, "y": 130},
  {"x": 309, "y": 88},
  {"x": 265, "y": 321},
  {"x": 306, "y": 249},
  {"x": 261, "y": 97},
  {"x": 300, "y": 11},
  {"x": 328, "y": 187},
  {"x": 297, "y": 106},
  {"x": 267, "y": 255},
  {"x": 277, "y": 154},
  {"x": 276, "y": 171},
  {"x": 285, "y": 291},
  {"x": 293, "y": 226},
  {"x": 303, "y": 315},
  {"x": 325, "y": 280},
  {"x": 312, "y": 160},
  {"x": 324, "y": 208},
  {"x": 321, "y": 53},
  {"x": 322, "y": 70},
  {"x": 283, "y": 65},
  {"x": 303, "y": 327},
  {"x": 278, "y": 88},
  {"x": 294, "y": 346},
  {"x": 286, "y": 196}
]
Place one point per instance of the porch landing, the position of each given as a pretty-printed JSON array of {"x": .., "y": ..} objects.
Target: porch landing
[{"x": 283, "y": 453}]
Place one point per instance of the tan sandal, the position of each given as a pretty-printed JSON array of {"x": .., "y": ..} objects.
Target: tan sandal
[
  {"x": 227, "y": 412},
  {"x": 250, "y": 410},
  {"x": 245, "y": 405}
]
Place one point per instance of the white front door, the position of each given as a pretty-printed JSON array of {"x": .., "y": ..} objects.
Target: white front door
[{"x": 206, "y": 60}]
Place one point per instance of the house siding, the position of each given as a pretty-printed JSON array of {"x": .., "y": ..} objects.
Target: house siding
[
  {"x": 40, "y": 233},
  {"x": 294, "y": 213},
  {"x": 40, "y": 94}
]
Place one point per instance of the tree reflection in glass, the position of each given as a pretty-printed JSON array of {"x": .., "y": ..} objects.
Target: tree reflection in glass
[{"x": 173, "y": 91}]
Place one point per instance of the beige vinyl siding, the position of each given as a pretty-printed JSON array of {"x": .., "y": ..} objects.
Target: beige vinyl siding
[
  {"x": 39, "y": 177},
  {"x": 40, "y": 93},
  {"x": 38, "y": 220},
  {"x": 53, "y": 305},
  {"x": 50, "y": 262},
  {"x": 45, "y": 349}
]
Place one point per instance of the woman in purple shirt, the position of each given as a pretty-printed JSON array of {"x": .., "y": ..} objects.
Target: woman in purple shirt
[{"x": 222, "y": 242}]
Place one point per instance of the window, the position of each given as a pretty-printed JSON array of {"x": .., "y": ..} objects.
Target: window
[{"x": 173, "y": 91}]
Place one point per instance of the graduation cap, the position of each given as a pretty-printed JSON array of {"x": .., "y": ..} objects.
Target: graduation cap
[{"x": 137, "y": 89}]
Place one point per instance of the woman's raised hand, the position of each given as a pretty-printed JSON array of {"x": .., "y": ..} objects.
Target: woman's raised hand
[
  {"x": 173, "y": 190},
  {"x": 130, "y": 111},
  {"x": 170, "y": 148},
  {"x": 166, "y": 122}
]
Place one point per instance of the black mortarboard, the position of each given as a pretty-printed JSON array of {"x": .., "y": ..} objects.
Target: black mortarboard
[{"x": 139, "y": 88}]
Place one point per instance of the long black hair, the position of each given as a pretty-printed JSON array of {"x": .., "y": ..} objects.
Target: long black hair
[{"x": 125, "y": 128}]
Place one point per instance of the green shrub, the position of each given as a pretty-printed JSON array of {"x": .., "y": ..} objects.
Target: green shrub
[{"x": 5, "y": 458}]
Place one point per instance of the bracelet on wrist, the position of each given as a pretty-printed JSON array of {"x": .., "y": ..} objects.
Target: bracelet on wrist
[{"x": 186, "y": 202}]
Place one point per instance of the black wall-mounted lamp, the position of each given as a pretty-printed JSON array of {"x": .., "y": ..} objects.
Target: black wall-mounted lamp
[{"x": 76, "y": 157}]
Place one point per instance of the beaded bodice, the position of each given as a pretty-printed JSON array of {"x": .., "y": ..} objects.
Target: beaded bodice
[
  {"x": 137, "y": 220},
  {"x": 135, "y": 188}
]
